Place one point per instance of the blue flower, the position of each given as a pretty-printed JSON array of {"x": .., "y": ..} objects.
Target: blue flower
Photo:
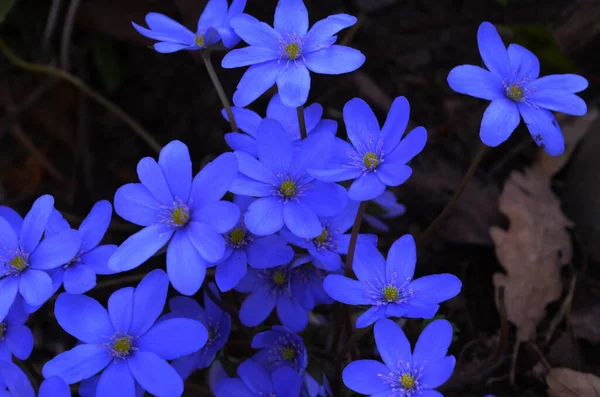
[
  {"x": 79, "y": 274},
  {"x": 404, "y": 373},
  {"x": 213, "y": 26},
  {"x": 512, "y": 84},
  {"x": 13, "y": 382},
  {"x": 88, "y": 387},
  {"x": 288, "y": 195},
  {"x": 124, "y": 341},
  {"x": 377, "y": 156},
  {"x": 244, "y": 248},
  {"x": 325, "y": 249},
  {"x": 280, "y": 347},
  {"x": 217, "y": 323},
  {"x": 388, "y": 286},
  {"x": 54, "y": 387},
  {"x": 271, "y": 288},
  {"x": 285, "y": 55},
  {"x": 254, "y": 381},
  {"x": 15, "y": 337},
  {"x": 388, "y": 207},
  {"x": 307, "y": 283},
  {"x": 248, "y": 122},
  {"x": 175, "y": 209},
  {"x": 24, "y": 258}
]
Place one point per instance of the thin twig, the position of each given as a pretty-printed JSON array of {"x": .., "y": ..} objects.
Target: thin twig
[
  {"x": 513, "y": 363},
  {"x": 564, "y": 309},
  {"x": 301, "y": 122},
  {"x": 52, "y": 71},
  {"x": 503, "y": 329},
  {"x": 220, "y": 91},
  {"x": 65, "y": 40}
]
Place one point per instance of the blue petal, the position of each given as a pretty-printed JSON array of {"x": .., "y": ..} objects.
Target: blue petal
[
  {"x": 544, "y": 129},
  {"x": 295, "y": 240},
  {"x": 436, "y": 288},
  {"x": 326, "y": 198},
  {"x": 268, "y": 251},
  {"x": 12, "y": 217},
  {"x": 412, "y": 309},
  {"x": 232, "y": 387},
  {"x": 569, "y": 82},
  {"x": 393, "y": 346},
  {"x": 183, "y": 306},
  {"x": 433, "y": 342},
  {"x": 116, "y": 381},
  {"x": 139, "y": 247},
  {"x": 312, "y": 115},
  {"x": 54, "y": 387},
  {"x": 372, "y": 315},
  {"x": 301, "y": 219},
  {"x": 81, "y": 362},
  {"x": 293, "y": 83},
  {"x": 475, "y": 81},
  {"x": 291, "y": 314},
  {"x": 16, "y": 315},
  {"x": 346, "y": 290},
  {"x": 412, "y": 144},
  {"x": 255, "y": 377},
  {"x": 314, "y": 151},
  {"x": 176, "y": 165},
  {"x": 83, "y": 317},
  {"x": 15, "y": 380},
  {"x": 98, "y": 258},
  {"x": 167, "y": 47},
  {"x": 291, "y": 17},
  {"x": 209, "y": 243},
  {"x": 275, "y": 150},
  {"x": 437, "y": 373},
  {"x": 365, "y": 377},
  {"x": 173, "y": 338},
  {"x": 55, "y": 250},
  {"x": 8, "y": 238},
  {"x": 185, "y": 266},
  {"x": 35, "y": 286},
  {"x": 87, "y": 387},
  {"x": 79, "y": 279},
  {"x": 94, "y": 225},
  {"x": 325, "y": 125},
  {"x": 243, "y": 185},
  {"x": 257, "y": 79},
  {"x": 186, "y": 364},
  {"x": 287, "y": 116},
  {"x": 499, "y": 121},
  {"x": 393, "y": 175},
  {"x": 230, "y": 272},
  {"x": 246, "y": 120},
  {"x": 134, "y": 203},
  {"x": 338, "y": 167},
  {"x": 426, "y": 393},
  {"x": 249, "y": 56},
  {"x": 120, "y": 309},
  {"x": 326, "y": 260},
  {"x": 366, "y": 187},
  {"x": 286, "y": 382},
  {"x": 250, "y": 282},
  {"x": 161, "y": 36},
  {"x": 9, "y": 287},
  {"x": 401, "y": 260},
  {"x": 149, "y": 300},
  {"x": 254, "y": 32},
  {"x": 241, "y": 142},
  {"x": 19, "y": 340},
  {"x": 256, "y": 308},
  {"x": 153, "y": 179},
  {"x": 254, "y": 169},
  {"x": 167, "y": 27},
  {"x": 212, "y": 309},
  {"x": 558, "y": 101},
  {"x": 492, "y": 50},
  {"x": 213, "y": 181},
  {"x": 395, "y": 124},
  {"x": 265, "y": 216},
  {"x": 214, "y": 13},
  {"x": 302, "y": 292},
  {"x": 35, "y": 222},
  {"x": 361, "y": 124},
  {"x": 336, "y": 59},
  {"x": 523, "y": 62},
  {"x": 228, "y": 36},
  {"x": 155, "y": 375},
  {"x": 321, "y": 34},
  {"x": 222, "y": 215},
  {"x": 368, "y": 263}
]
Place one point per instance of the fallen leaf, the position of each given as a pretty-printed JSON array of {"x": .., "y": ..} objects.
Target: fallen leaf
[
  {"x": 564, "y": 382},
  {"x": 532, "y": 250}
]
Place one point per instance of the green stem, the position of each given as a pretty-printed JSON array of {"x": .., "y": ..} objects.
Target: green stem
[
  {"x": 354, "y": 237},
  {"x": 220, "y": 91},
  {"x": 301, "y": 122}
]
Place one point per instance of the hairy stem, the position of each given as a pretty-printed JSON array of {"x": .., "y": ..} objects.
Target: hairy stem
[
  {"x": 301, "y": 122},
  {"x": 220, "y": 91}
]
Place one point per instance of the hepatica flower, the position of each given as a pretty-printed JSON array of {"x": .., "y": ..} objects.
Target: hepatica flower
[
  {"x": 216, "y": 322},
  {"x": 388, "y": 286},
  {"x": 13, "y": 382},
  {"x": 285, "y": 54},
  {"x": 248, "y": 122},
  {"x": 307, "y": 283},
  {"x": 244, "y": 248},
  {"x": 511, "y": 82},
  {"x": 124, "y": 341},
  {"x": 280, "y": 347},
  {"x": 376, "y": 157},
  {"x": 404, "y": 373},
  {"x": 325, "y": 249},
  {"x": 24, "y": 258},
  {"x": 213, "y": 26},
  {"x": 175, "y": 209},
  {"x": 254, "y": 381},
  {"x": 15, "y": 337},
  {"x": 270, "y": 288},
  {"x": 288, "y": 195}
]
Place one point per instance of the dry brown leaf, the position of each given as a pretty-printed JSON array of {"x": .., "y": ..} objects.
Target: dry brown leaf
[
  {"x": 564, "y": 382},
  {"x": 532, "y": 250}
]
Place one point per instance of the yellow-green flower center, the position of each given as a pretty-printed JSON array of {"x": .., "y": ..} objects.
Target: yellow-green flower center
[
  {"x": 288, "y": 353},
  {"x": 237, "y": 235},
  {"x": 279, "y": 278},
  {"x": 122, "y": 345},
  {"x": 18, "y": 263},
  {"x": 288, "y": 188},
  {"x": 407, "y": 381},
  {"x": 321, "y": 238},
  {"x": 514, "y": 92},
  {"x": 292, "y": 50},
  {"x": 371, "y": 160},
  {"x": 180, "y": 216},
  {"x": 199, "y": 40},
  {"x": 390, "y": 293}
]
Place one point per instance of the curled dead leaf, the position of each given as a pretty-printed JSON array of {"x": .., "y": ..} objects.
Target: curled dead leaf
[{"x": 564, "y": 382}]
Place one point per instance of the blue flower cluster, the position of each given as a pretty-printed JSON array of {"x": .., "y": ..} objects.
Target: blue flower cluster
[{"x": 269, "y": 220}]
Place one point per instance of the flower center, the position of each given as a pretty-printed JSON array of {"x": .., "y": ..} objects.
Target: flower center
[
  {"x": 322, "y": 238},
  {"x": 514, "y": 92},
  {"x": 407, "y": 381},
  {"x": 18, "y": 263},
  {"x": 371, "y": 160},
  {"x": 2, "y": 330},
  {"x": 292, "y": 50},
  {"x": 180, "y": 215},
  {"x": 390, "y": 293},
  {"x": 288, "y": 354},
  {"x": 199, "y": 40},
  {"x": 279, "y": 278},
  {"x": 237, "y": 235},
  {"x": 288, "y": 188},
  {"x": 122, "y": 345}
]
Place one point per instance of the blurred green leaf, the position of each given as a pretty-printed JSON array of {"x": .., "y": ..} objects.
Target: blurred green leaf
[
  {"x": 5, "y": 6},
  {"x": 107, "y": 63}
]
